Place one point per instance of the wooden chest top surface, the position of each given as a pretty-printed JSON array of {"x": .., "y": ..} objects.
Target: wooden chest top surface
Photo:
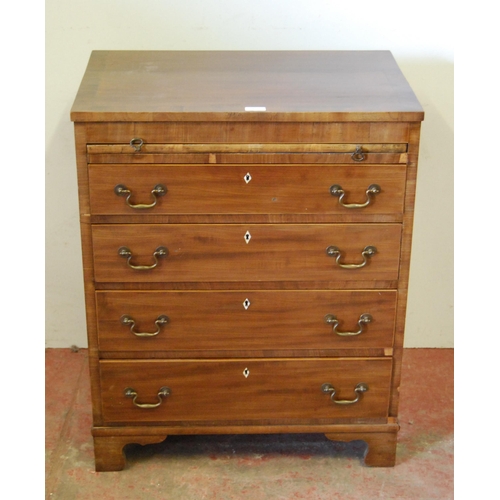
[{"x": 244, "y": 86}]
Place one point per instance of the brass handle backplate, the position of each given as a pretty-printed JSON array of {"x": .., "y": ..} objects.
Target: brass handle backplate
[
  {"x": 162, "y": 393},
  {"x": 359, "y": 389},
  {"x": 157, "y": 191},
  {"x": 160, "y": 321},
  {"x": 364, "y": 319},
  {"x": 336, "y": 190},
  {"x": 368, "y": 252},
  {"x": 159, "y": 252}
]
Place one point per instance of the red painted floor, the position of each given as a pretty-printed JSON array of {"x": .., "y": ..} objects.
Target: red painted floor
[{"x": 254, "y": 467}]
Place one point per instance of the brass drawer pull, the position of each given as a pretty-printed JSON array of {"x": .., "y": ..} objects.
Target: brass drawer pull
[
  {"x": 136, "y": 143},
  {"x": 336, "y": 190},
  {"x": 359, "y": 389},
  {"x": 358, "y": 154},
  {"x": 160, "y": 321},
  {"x": 368, "y": 252},
  {"x": 158, "y": 190},
  {"x": 364, "y": 319},
  {"x": 159, "y": 252},
  {"x": 162, "y": 393}
]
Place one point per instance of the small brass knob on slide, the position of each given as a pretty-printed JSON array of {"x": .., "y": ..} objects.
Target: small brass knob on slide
[
  {"x": 358, "y": 154},
  {"x": 137, "y": 143}
]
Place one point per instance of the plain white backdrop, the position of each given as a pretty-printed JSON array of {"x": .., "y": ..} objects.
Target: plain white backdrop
[{"x": 419, "y": 36}]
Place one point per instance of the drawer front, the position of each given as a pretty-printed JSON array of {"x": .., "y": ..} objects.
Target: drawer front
[
  {"x": 251, "y": 320},
  {"x": 244, "y": 252},
  {"x": 246, "y": 189},
  {"x": 243, "y": 389}
]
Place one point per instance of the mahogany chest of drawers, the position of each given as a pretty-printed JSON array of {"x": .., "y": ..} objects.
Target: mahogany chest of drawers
[{"x": 246, "y": 222}]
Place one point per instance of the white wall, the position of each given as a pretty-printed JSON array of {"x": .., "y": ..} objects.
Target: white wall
[{"x": 417, "y": 34}]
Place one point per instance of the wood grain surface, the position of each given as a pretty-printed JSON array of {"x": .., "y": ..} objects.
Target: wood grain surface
[
  {"x": 188, "y": 85},
  {"x": 246, "y": 189},
  {"x": 211, "y": 321},
  {"x": 220, "y": 252},
  {"x": 218, "y": 389}
]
